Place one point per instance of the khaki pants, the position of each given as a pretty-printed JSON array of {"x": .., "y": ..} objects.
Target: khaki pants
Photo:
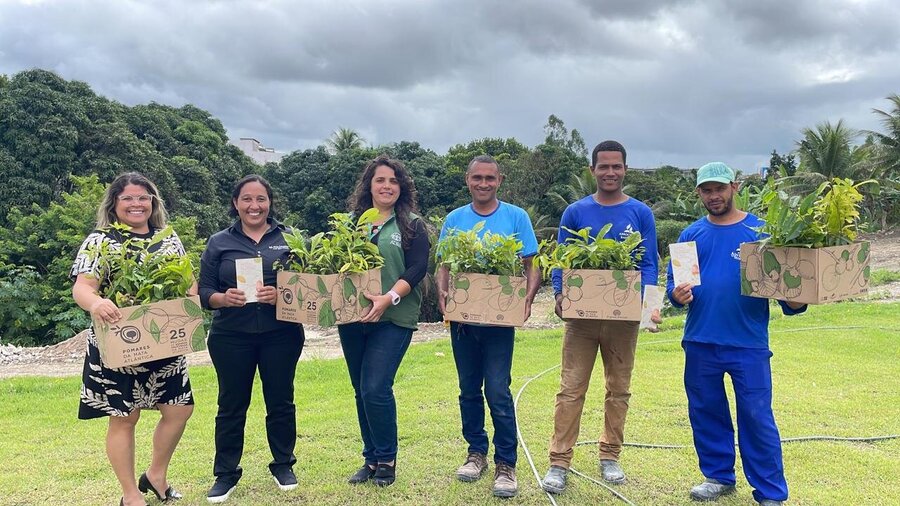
[{"x": 616, "y": 342}]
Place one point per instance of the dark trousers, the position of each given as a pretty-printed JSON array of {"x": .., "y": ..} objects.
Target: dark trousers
[
  {"x": 483, "y": 356},
  {"x": 236, "y": 357},
  {"x": 705, "y": 367},
  {"x": 373, "y": 352}
]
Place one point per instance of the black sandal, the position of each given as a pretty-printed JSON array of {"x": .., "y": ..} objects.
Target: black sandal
[
  {"x": 364, "y": 474},
  {"x": 145, "y": 486}
]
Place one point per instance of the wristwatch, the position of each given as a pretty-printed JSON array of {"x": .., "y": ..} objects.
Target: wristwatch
[{"x": 395, "y": 297}]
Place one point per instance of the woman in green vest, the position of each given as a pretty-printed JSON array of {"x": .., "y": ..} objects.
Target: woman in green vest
[{"x": 374, "y": 347}]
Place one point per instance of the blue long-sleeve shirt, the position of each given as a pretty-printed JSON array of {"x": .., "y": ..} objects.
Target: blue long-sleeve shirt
[
  {"x": 719, "y": 314},
  {"x": 628, "y": 217}
]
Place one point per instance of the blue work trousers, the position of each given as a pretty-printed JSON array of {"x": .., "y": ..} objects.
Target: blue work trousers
[{"x": 758, "y": 439}]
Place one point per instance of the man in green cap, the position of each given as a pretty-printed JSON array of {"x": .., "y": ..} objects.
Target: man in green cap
[{"x": 728, "y": 333}]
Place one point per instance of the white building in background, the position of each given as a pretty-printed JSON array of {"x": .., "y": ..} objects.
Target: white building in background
[{"x": 256, "y": 151}]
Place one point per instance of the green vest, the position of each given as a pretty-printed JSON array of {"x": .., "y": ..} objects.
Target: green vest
[{"x": 406, "y": 313}]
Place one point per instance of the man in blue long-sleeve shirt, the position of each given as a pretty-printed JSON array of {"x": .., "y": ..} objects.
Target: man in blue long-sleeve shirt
[
  {"x": 726, "y": 332},
  {"x": 615, "y": 340}
]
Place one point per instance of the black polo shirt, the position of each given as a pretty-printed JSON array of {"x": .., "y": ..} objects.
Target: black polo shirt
[{"x": 217, "y": 274}]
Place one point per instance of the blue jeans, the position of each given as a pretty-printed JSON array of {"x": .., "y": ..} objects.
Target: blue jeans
[
  {"x": 373, "y": 352},
  {"x": 705, "y": 367},
  {"x": 483, "y": 356}
]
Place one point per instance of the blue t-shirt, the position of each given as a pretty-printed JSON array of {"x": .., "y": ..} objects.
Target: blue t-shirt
[
  {"x": 626, "y": 218},
  {"x": 507, "y": 219},
  {"x": 719, "y": 314}
]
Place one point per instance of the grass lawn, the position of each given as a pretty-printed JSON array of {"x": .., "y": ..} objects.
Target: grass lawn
[{"x": 829, "y": 380}]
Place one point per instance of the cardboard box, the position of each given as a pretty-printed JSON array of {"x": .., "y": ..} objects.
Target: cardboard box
[
  {"x": 601, "y": 295},
  {"x": 151, "y": 332},
  {"x": 324, "y": 299},
  {"x": 806, "y": 275},
  {"x": 486, "y": 299}
]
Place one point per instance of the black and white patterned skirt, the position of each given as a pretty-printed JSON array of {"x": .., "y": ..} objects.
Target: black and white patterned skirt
[{"x": 118, "y": 392}]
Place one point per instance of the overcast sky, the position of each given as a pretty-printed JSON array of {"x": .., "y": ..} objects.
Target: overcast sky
[{"x": 678, "y": 82}]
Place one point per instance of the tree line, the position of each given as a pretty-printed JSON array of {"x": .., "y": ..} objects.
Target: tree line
[{"x": 60, "y": 143}]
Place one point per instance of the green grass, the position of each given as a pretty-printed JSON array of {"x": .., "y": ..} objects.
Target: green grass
[
  {"x": 828, "y": 380},
  {"x": 883, "y": 276}
]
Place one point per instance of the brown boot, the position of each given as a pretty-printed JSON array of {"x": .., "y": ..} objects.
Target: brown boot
[
  {"x": 505, "y": 484},
  {"x": 476, "y": 464}
]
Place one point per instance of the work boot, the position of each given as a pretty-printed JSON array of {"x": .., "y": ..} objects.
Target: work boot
[
  {"x": 505, "y": 484},
  {"x": 612, "y": 472},
  {"x": 476, "y": 464},
  {"x": 710, "y": 490},
  {"x": 555, "y": 480}
]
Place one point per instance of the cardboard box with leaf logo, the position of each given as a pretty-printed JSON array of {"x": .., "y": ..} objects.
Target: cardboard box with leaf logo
[
  {"x": 808, "y": 252},
  {"x": 152, "y": 332},
  {"x": 589, "y": 294},
  {"x": 807, "y": 275},
  {"x": 325, "y": 299},
  {"x": 486, "y": 299}
]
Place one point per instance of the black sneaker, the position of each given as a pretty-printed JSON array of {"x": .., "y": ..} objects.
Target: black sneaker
[
  {"x": 385, "y": 474},
  {"x": 284, "y": 478},
  {"x": 364, "y": 474},
  {"x": 221, "y": 489}
]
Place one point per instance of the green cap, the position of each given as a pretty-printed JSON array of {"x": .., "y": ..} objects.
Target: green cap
[{"x": 715, "y": 171}]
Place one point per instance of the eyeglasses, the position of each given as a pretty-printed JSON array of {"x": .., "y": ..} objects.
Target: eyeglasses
[{"x": 130, "y": 199}]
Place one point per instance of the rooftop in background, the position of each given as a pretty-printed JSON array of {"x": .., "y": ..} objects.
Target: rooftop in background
[{"x": 256, "y": 151}]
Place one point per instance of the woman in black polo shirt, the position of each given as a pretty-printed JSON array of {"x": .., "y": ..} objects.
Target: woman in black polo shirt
[{"x": 245, "y": 336}]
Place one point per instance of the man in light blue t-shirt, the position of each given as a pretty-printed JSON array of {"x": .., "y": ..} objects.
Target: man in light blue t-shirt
[
  {"x": 483, "y": 353},
  {"x": 728, "y": 333}
]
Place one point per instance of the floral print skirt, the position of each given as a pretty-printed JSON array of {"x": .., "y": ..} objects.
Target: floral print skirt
[{"x": 118, "y": 392}]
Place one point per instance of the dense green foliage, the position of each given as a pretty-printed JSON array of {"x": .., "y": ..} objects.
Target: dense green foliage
[
  {"x": 345, "y": 248},
  {"x": 464, "y": 251},
  {"x": 132, "y": 274},
  {"x": 60, "y": 144},
  {"x": 581, "y": 251}
]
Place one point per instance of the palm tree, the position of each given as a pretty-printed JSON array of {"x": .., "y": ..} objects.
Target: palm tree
[
  {"x": 889, "y": 152},
  {"x": 826, "y": 150},
  {"x": 344, "y": 139}
]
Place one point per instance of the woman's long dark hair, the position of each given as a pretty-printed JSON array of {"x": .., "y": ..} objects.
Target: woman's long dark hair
[{"x": 361, "y": 199}]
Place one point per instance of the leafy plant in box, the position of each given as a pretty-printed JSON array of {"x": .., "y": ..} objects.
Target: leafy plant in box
[
  {"x": 132, "y": 274},
  {"x": 581, "y": 251},
  {"x": 829, "y": 216},
  {"x": 344, "y": 249},
  {"x": 464, "y": 251}
]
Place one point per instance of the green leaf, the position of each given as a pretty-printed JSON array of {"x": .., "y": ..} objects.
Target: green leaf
[
  {"x": 621, "y": 284},
  {"x": 293, "y": 279},
  {"x": 506, "y": 289},
  {"x": 619, "y": 276},
  {"x": 198, "y": 338},
  {"x": 503, "y": 280},
  {"x": 320, "y": 284},
  {"x": 349, "y": 288},
  {"x": 637, "y": 287},
  {"x": 522, "y": 293},
  {"x": 746, "y": 287},
  {"x": 139, "y": 312},
  {"x": 575, "y": 281},
  {"x": 770, "y": 263},
  {"x": 461, "y": 283},
  {"x": 154, "y": 330},
  {"x": 326, "y": 315},
  {"x": 863, "y": 252},
  {"x": 791, "y": 281},
  {"x": 191, "y": 308},
  {"x": 845, "y": 255}
]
